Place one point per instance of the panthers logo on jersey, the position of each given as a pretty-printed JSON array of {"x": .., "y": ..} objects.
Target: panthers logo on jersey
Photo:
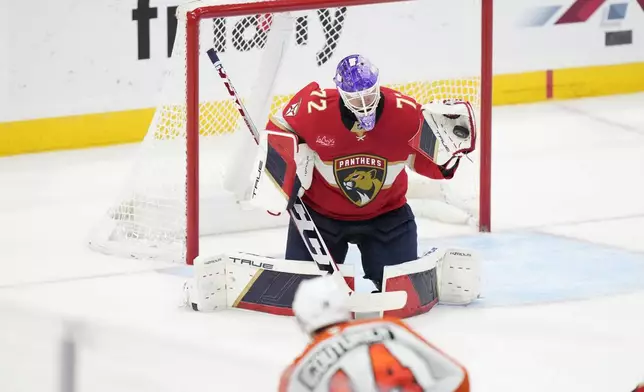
[{"x": 360, "y": 177}]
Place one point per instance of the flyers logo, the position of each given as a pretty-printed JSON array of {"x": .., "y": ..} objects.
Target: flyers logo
[{"x": 360, "y": 177}]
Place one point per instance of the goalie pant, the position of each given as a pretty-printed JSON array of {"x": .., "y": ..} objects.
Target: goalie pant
[
  {"x": 356, "y": 355},
  {"x": 388, "y": 239}
]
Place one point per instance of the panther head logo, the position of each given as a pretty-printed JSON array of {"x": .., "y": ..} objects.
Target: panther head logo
[
  {"x": 364, "y": 183},
  {"x": 360, "y": 177}
]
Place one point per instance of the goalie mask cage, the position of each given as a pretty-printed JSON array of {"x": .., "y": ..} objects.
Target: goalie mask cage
[{"x": 193, "y": 171}]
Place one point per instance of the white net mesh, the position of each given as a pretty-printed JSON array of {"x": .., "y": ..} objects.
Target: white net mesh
[{"x": 429, "y": 50}]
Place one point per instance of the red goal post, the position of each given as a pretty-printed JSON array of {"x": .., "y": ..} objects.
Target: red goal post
[{"x": 143, "y": 222}]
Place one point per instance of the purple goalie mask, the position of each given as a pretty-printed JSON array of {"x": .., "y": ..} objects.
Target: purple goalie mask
[{"x": 357, "y": 82}]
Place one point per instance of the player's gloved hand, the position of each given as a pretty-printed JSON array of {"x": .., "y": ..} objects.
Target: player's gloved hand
[
  {"x": 283, "y": 171},
  {"x": 454, "y": 125}
]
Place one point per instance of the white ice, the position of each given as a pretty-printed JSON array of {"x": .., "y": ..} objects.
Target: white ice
[{"x": 567, "y": 168}]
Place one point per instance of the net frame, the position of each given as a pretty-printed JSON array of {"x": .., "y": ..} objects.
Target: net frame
[{"x": 197, "y": 11}]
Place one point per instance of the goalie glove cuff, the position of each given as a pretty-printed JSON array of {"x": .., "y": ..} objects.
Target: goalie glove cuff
[{"x": 448, "y": 169}]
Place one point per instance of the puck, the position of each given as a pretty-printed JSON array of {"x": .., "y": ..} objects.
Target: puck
[{"x": 461, "y": 132}]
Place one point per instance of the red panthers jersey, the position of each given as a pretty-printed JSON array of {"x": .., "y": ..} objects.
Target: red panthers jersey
[
  {"x": 373, "y": 355},
  {"x": 358, "y": 174}
]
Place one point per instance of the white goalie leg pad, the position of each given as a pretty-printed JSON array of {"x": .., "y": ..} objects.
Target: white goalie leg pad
[
  {"x": 207, "y": 290},
  {"x": 418, "y": 278},
  {"x": 221, "y": 281},
  {"x": 459, "y": 277}
]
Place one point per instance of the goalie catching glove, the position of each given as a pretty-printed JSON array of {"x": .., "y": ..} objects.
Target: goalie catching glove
[
  {"x": 448, "y": 133},
  {"x": 283, "y": 171}
]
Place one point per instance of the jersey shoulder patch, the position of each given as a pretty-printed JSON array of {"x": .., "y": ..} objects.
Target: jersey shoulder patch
[
  {"x": 305, "y": 111},
  {"x": 285, "y": 118},
  {"x": 300, "y": 99},
  {"x": 292, "y": 108}
]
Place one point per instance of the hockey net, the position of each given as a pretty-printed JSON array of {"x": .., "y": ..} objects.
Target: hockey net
[{"x": 193, "y": 170}]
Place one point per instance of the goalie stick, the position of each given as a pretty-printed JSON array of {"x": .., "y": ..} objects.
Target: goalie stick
[{"x": 306, "y": 227}]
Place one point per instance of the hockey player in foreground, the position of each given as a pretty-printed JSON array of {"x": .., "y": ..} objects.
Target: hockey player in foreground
[
  {"x": 363, "y": 355},
  {"x": 345, "y": 150}
]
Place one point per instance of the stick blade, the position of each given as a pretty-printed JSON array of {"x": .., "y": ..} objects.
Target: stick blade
[{"x": 377, "y": 302}]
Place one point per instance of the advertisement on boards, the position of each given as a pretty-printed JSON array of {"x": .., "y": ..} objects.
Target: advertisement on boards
[
  {"x": 78, "y": 58},
  {"x": 532, "y": 35}
]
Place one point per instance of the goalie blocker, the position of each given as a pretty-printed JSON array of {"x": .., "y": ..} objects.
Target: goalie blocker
[
  {"x": 284, "y": 170},
  {"x": 264, "y": 284}
]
